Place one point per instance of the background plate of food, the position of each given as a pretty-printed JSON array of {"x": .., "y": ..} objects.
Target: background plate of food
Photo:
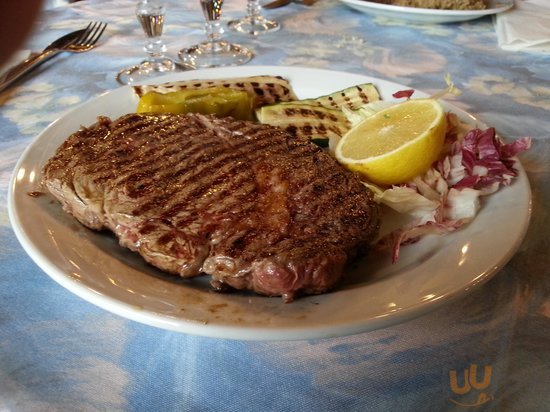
[{"x": 424, "y": 15}]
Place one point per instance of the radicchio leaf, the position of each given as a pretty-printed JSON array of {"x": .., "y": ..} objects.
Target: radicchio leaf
[
  {"x": 477, "y": 165},
  {"x": 403, "y": 93}
]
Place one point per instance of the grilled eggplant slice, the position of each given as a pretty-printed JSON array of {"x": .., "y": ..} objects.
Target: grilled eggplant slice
[{"x": 265, "y": 89}]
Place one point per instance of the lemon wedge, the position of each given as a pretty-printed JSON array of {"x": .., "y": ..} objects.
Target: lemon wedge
[{"x": 396, "y": 144}]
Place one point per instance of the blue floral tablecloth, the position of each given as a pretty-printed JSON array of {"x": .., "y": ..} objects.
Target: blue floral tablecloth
[{"x": 488, "y": 350}]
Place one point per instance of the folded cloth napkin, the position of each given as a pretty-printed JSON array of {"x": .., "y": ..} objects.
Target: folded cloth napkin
[{"x": 525, "y": 26}]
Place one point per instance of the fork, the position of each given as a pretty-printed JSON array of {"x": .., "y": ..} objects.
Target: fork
[{"x": 75, "y": 42}]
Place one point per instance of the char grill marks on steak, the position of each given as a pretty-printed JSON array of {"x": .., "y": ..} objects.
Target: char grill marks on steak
[{"x": 243, "y": 202}]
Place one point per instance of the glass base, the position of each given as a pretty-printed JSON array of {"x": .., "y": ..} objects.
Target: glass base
[
  {"x": 253, "y": 25},
  {"x": 215, "y": 54},
  {"x": 145, "y": 70}
]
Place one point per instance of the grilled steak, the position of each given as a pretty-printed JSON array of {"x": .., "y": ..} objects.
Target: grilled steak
[{"x": 243, "y": 202}]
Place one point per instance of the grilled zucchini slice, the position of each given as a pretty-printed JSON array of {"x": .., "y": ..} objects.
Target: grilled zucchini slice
[
  {"x": 351, "y": 98},
  {"x": 305, "y": 121},
  {"x": 320, "y": 118}
]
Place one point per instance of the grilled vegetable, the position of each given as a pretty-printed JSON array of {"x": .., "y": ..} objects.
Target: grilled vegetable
[
  {"x": 304, "y": 120},
  {"x": 217, "y": 100},
  {"x": 264, "y": 89},
  {"x": 321, "y": 118},
  {"x": 351, "y": 98}
]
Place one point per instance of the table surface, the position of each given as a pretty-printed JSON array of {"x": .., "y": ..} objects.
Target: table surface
[{"x": 487, "y": 350}]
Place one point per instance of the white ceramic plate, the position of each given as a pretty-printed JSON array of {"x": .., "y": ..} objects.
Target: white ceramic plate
[
  {"x": 427, "y": 16},
  {"x": 376, "y": 292}
]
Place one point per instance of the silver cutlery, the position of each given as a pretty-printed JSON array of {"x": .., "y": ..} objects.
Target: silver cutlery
[{"x": 75, "y": 42}]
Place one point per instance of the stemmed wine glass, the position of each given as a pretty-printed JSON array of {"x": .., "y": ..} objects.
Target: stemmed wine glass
[
  {"x": 214, "y": 52},
  {"x": 150, "y": 13},
  {"x": 254, "y": 22}
]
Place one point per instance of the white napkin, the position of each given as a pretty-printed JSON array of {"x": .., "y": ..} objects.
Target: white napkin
[{"x": 525, "y": 26}]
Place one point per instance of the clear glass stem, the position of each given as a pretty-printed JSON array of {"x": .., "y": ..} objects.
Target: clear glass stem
[
  {"x": 254, "y": 10},
  {"x": 253, "y": 22},
  {"x": 214, "y": 31},
  {"x": 155, "y": 50},
  {"x": 212, "y": 10}
]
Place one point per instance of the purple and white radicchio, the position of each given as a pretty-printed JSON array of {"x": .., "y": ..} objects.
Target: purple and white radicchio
[{"x": 447, "y": 196}]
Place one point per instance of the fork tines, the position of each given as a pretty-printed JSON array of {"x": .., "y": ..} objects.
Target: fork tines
[{"x": 91, "y": 34}]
